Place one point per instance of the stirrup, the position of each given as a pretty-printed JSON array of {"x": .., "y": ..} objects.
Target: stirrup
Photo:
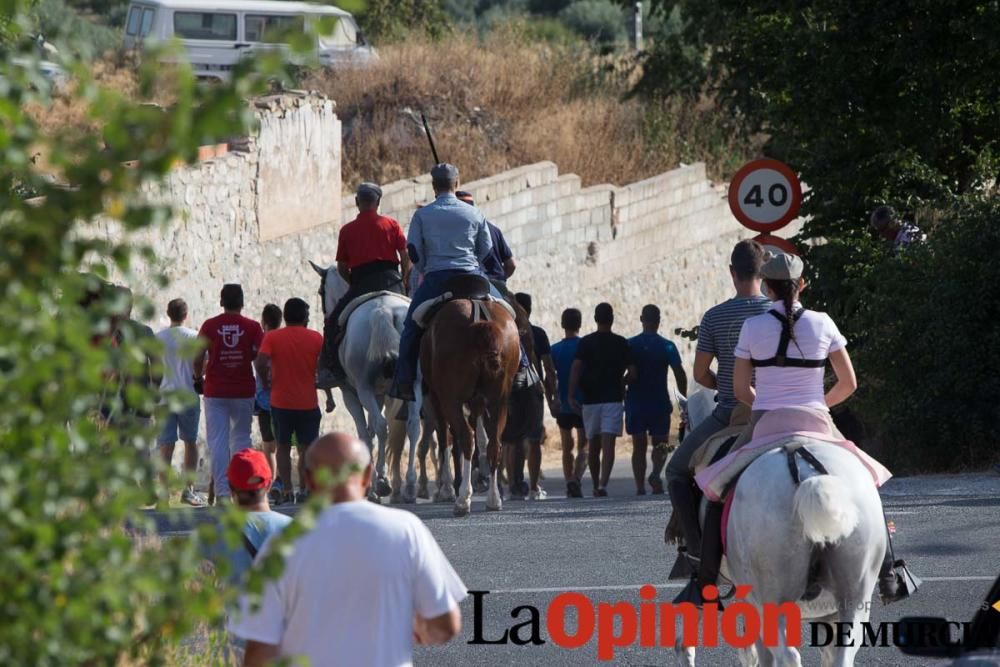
[
  {"x": 685, "y": 567},
  {"x": 905, "y": 584}
]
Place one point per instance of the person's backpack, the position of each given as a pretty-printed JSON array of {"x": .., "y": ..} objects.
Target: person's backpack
[{"x": 248, "y": 545}]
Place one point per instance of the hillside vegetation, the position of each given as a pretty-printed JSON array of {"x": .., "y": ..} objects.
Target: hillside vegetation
[{"x": 502, "y": 101}]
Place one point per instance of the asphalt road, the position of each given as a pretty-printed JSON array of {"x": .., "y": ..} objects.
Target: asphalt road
[{"x": 947, "y": 529}]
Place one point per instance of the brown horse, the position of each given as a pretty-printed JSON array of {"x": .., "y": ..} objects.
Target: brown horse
[{"x": 468, "y": 364}]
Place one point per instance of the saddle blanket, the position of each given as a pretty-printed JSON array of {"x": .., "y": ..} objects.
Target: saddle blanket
[
  {"x": 786, "y": 427},
  {"x": 425, "y": 311},
  {"x": 363, "y": 299}
]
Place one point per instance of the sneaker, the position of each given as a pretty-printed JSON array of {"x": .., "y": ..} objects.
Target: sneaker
[
  {"x": 655, "y": 485},
  {"x": 277, "y": 492},
  {"x": 538, "y": 495},
  {"x": 193, "y": 498},
  {"x": 600, "y": 493},
  {"x": 573, "y": 490}
]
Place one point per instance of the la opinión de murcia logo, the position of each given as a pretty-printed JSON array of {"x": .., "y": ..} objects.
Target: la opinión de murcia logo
[
  {"x": 231, "y": 334},
  {"x": 621, "y": 624},
  {"x": 738, "y": 625}
]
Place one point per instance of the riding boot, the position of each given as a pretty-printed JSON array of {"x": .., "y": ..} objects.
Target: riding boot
[
  {"x": 685, "y": 504},
  {"x": 895, "y": 581},
  {"x": 711, "y": 547},
  {"x": 329, "y": 372}
]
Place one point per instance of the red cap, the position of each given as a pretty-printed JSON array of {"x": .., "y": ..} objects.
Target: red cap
[{"x": 248, "y": 470}]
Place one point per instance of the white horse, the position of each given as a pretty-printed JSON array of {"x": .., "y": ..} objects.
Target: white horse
[
  {"x": 368, "y": 354},
  {"x": 776, "y": 528}
]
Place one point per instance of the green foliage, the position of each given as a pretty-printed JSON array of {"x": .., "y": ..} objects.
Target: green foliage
[
  {"x": 83, "y": 581},
  {"x": 895, "y": 104},
  {"x": 62, "y": 25},
  {"x": 931, "y": 377},
  {"x": 600, "y": 20},
  {"x": 392, "y": 20}
]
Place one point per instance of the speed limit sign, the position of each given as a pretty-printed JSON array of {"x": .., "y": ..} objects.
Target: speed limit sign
[{"x": 765, "y": 195}]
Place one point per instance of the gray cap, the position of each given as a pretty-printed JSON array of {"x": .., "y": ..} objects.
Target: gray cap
[
  {"x": 782, "y": 267},
  {"x": 368, "y": 191},
  {"x": 444, "y": 173}
]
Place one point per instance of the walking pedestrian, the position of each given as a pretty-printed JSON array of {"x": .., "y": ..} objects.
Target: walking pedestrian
[
  {"x": 568, "y": 419},
  {"x": 647, "y": 399},
  {"x": 225, "y": 371},
  {"x": 287, "y": 366},
  {"x": 602, "y": 360},
  {"x": 364, "y": 585},
  {"x": 270, "y": 320},
  {"x": 547, "y": 372},
  {"x": 250, "y": 478},
  {"x": 179, "y": 350}
]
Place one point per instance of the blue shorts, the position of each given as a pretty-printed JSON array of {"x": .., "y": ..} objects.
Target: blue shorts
[
  {"x": 183, "y": 424},
  {"x": 639, "y": 421}
]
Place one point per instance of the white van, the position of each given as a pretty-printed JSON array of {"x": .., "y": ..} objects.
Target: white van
[{"x": 216, "y": 34}]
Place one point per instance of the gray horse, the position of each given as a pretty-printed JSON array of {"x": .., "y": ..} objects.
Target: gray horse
[
  {"x": 368, "y": 355},
  {"x": 775, "y": 529}
]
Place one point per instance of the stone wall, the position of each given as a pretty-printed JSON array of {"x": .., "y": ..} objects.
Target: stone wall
[{"x": 257, "y": 216}]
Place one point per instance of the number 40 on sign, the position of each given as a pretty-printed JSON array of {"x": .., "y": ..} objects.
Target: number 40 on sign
[{"x": 765, "y": 195}]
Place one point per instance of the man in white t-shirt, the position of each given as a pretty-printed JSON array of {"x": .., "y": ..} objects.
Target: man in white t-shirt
[
  {"x": 361, "y": 587},
  {"x": 178, "y": 380}
]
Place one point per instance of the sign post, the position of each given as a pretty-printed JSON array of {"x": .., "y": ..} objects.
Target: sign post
[{"x": 765, "y": 195}]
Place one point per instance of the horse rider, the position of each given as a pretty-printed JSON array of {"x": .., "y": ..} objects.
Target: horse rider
[
  {"x": 371, "y": 257},
  {"x": 498, "y": 266},
  {"x": 787, "y": 348},
  {"x": 447, "y": 238},
  {"x": 717, "y": 336}
]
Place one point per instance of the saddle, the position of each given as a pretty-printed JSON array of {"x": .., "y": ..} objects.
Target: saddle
[
  {"x": 472, "y": 287},
  {"x": 712, "y": 450},
  {"x": 356, "y": 302}
]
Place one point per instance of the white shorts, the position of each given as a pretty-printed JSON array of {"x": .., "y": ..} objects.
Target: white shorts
[{"x": 602, "y": 419}]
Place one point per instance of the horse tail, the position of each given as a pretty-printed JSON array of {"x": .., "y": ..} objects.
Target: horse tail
[
  {"x": 487, "y": 345},
  {"x": 383, "y": 346},
  {"x": 824, "y": 506}
]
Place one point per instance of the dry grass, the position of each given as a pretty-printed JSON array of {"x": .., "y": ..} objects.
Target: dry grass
[
  {"x": 502, "y": 102},
  {"x": 494, "y": 104}
]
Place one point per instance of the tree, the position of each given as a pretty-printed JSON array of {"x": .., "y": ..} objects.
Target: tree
[
  {"x": 871, "y": 103},
  {"x": 392, "y": 20},
  {"x": 85, "y": 581}
]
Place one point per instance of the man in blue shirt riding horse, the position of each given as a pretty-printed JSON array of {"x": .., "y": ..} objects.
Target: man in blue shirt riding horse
[{"x": 447, "y": 238}]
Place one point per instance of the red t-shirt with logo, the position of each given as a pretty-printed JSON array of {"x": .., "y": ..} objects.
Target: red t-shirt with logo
[
  {"x": 233, "y": 342},
  {"x": 370, "y": 238},
  {"x": 294, "y": 353}
]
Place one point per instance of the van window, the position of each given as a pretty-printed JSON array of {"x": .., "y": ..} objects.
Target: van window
[
  {"x": 270, "y": 28},
  {"x": 132, "y": 27},
  {"x": 205, "y": 25},
  {"x": 343, "y": 35},
  {"x": 147, "y": 22}
]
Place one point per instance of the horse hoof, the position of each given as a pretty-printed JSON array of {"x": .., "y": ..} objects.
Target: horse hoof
[
  {"x": 382, "y": 487},
  {"x": 409, "y": 496},
  {"x": 461, "y": 510},
  {"x": 480, "y": 485},
  {"x": 424, "y": 493},
  {"x": 396, "y": 498},
  {"x": 373, "y": 497},
  {"x": 491, "y": 508}
]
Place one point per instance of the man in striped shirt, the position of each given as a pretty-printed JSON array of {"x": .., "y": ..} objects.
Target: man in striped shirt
[{"x": 717, "y": 337}]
